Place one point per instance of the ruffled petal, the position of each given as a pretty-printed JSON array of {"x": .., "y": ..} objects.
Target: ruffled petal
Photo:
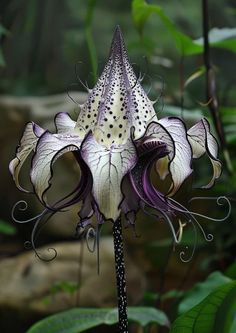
[
  {"x": 108, "y": 167},
  {"x": 27, "y": 144},
  {"x": 49, "y": 148},
  {"x": 202, "y": 141},
  {"x": 180, "y": 163},
  {"x": 64, "y": 123}
]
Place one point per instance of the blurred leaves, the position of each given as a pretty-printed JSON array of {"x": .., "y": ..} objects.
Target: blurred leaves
[
  {"x": 3, "y": 32},
  {"x": 229, "y": 120},
  {"x": 222, "y": 38},
  {"x": 201, "y": 290},
  {"x": 141, "y": 12},
  {"x": 81, "y": 319},
  {"x": 7, "y": 229},
  {"x": 215, "y": 314}
]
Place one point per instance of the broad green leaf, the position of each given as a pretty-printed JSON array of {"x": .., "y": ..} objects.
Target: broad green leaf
[
  {"x": 215, "y": 314},
  {"x": 81, "y": 319},
  {"x": 201, "y": 290},
  {"x": 6, "y": 228},
  {"x": 222, "y": 38}
]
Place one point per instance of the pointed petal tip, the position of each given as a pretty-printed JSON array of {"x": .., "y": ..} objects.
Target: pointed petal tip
[
  {"x": 118, "y": 44},
  {"x": 118, "y": 31}
]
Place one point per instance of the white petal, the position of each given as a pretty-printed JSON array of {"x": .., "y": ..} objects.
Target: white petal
[
  {"x": 49, "y": 148},
  {"x": 64, "y": 123},
  {"x": 180, "y": 164},
  {"x": 108, "y": 167},
  {"x": 202, "y": 141},
  {"x": 27, "y": 144}
]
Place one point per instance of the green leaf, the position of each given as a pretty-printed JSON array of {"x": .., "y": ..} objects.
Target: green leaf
[
  {"x": 231, "y": 272},
  {"x": 141, "y": 12},
  {"x": 81, "y": 319},
  {"x": 215, "y": 314},
  {"x": 201, "y": 290},
  {"x": 221, "y": 38},
  {"x": 6, "y": 228}
]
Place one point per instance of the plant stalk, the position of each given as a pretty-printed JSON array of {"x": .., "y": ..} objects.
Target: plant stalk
[
  {"x": 211, "y": 95},
  {"x": 120, "y": 276}
]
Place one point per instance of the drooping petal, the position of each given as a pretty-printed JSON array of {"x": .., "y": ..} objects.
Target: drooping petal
[
  {"x": 140, "y": 175},
  {"x": 27, "y": 144},
  {"x": 180, "y": 163},
  {"x": 49, "y": 148},
  {"x": 202, "y": 141},
  {"x": 64, "y": 123},
  {"x": 108, "y": 167},
  {"x": 117, "y": 102}
]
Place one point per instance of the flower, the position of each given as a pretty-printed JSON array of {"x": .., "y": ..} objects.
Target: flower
[{"x": 116, "y": 140}]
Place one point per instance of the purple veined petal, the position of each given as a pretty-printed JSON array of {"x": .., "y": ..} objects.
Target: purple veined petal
[
  {"x": 49, "y": 148},
  {"x": 202, "y": 141},
  {"x": 27, "y": 144},
  {"x": 180, "y": 164},
  {"x": 64, "y": 123},
  {"x": 140, "y": 175},
  {"x": 117, "y": 102},
  {"x": 108, "y": 166}
]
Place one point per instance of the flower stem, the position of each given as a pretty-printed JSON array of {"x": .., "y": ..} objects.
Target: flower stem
[{"x": 120, "y": 276}]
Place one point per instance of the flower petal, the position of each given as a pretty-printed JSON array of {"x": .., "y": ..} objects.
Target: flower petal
[
  {"x": 118, "y": 101},
  {"x": 49, "y": 148},
  {"x": 108, "y": 167},
  {"x": 202, "y": 141},
  {"x": 180, "y": 163},
  {"x": 156, "y": 131},
  {"x": 140, "y": 174},
  {"x": 64, "y": 123},
  {"x": 27, "y": 144}
]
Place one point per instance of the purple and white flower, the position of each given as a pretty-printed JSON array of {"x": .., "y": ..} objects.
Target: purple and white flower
[{"x": 117, "y": 139}]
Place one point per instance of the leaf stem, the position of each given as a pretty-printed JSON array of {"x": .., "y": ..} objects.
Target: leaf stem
[{"x": 120, "y": 276}]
